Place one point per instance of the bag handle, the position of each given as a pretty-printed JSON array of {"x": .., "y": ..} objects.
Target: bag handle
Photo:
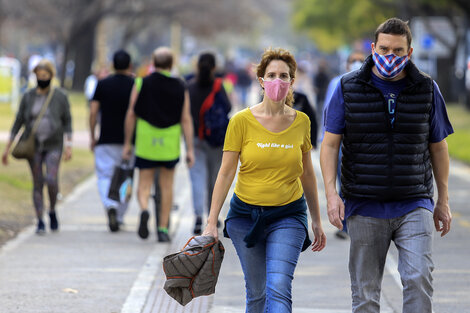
[{"x": 43, "y": 111}]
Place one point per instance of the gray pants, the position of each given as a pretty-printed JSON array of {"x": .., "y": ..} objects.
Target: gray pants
[
  {"x": 203, "y": 174},
  {"x": 370, "y": 241},
  {"x": 107, "y": 156}
]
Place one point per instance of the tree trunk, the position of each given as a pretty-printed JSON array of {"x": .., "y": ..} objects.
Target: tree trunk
[
  {"x": 83, "y": 48},
  {"x": 63, "y": 66}
]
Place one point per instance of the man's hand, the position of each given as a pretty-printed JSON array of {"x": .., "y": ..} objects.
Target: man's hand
[
  {"x": 126, "y": 152},
  {"x": 92, "y": 144},
  {"x": 190, "y": 158},
  {"x": 442, "y": 218},
  {"x": 335, "y": 210}
]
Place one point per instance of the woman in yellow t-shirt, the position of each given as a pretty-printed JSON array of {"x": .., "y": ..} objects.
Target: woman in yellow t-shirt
[{"x": 267, "y": 220}]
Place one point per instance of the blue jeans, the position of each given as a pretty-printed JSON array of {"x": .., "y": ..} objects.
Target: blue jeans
[
  {"x": 370, "y": 240},
  {"x": 269, "y": 266}
]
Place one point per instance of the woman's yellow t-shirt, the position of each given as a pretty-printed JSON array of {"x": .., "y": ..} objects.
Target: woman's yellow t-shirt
[{"x": 271, "y": 163}]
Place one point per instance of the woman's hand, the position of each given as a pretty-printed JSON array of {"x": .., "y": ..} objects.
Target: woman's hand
[
  {"x": 320, "y": 238},
  {"x": 68, "y": 153},
  {"x": 5, "y": 157},
  {"x": 211, "y": 230}
]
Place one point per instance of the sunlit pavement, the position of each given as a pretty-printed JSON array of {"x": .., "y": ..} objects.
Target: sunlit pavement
[{"x": 85, "y": 268}]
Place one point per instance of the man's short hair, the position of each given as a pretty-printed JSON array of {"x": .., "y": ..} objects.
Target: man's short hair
[
  {"x": 394, "y": 26},
  {"x": 121, "y": 60},
  {"x": 356, "y": 56},
  {"x": 163, "y": 58}
]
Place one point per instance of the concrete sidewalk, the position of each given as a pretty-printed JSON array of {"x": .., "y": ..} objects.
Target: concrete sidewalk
[{"x": 85, "y": 268}]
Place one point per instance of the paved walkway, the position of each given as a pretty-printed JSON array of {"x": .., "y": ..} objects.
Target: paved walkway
[{"x": 84, "y": 268}]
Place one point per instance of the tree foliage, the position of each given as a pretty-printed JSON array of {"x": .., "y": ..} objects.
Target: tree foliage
[
  {"x": 332, "y": 24},
  {"x": 73, "y": 23}
]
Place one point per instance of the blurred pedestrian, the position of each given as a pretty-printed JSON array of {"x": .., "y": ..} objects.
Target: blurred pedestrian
[
  {"x": 92, "y": 81},
  {"x": 320, "y": 84},
  {"x": 353, "y": 63},
  {"x": 158, "y": 113},
  {"x": 110, "y": 101},
  {"x": 243, "y": 84},
  {"x": 304, "y": 84},
  {"x": 392, "y": 121},
  {"x": 49, "y": 136},
  {"x": 207, "y": 156},
  {"x": 302, "y": 104},
  {"x": 267, "y": 221}
]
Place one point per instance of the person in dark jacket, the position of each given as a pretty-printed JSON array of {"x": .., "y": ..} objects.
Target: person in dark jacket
[
  {"x": 393, "y": 122},
  {"x": 54, "y": 124},
  {"x": 302, "y": 104}
]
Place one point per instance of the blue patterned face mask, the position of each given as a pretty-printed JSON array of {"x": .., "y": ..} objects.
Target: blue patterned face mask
[{"x": 390, "y": 65}]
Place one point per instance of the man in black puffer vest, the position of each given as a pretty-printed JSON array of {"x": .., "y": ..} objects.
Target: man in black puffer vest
[{"x": 392, "y": 121}]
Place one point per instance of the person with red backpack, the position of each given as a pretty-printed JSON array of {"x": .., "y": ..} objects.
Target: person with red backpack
[{"x": 209, "y": 109}]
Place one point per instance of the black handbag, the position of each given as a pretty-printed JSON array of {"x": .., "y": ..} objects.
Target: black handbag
[
  {"x": 26, "y": 146},
  {"x": 121, "y": 183}
]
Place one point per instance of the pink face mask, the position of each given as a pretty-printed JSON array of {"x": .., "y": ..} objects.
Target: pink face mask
[{"x": 276, "y": 89}]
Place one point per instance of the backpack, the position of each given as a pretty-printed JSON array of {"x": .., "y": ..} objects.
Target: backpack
[{"x": 213, "y": 116}]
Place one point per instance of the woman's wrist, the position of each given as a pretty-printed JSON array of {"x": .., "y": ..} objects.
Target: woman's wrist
[{"x": 212, "y": 221}]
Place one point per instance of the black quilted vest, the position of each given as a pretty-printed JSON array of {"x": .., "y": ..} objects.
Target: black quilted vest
[{"x": 380, "y": 162}]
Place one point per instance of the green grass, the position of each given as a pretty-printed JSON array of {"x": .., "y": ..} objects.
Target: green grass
[
  {"x": 79, "y": 109},
  {"x": 459, "y": 142}
]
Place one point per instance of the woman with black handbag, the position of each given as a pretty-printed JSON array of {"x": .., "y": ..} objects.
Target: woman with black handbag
[{"x": 45, "y": 114}]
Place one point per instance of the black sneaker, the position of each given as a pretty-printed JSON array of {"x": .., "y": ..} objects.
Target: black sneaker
[
  {"x": 112, "y": 220},
  {"x": 41, "y": 229},
  {"x": 198, "y": 226},
  {"x": 163, "y": 236},
  {"x": 143, "y": 228},
  {"x": 54, "y": 223}
]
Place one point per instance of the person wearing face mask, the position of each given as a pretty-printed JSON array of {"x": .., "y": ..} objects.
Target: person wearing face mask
[
  {"x": 392, "y": 121},
  {"x": 267, "y": 220},
  {"x": 353, "y": 63},
  {"x": 55, "y": 124}
]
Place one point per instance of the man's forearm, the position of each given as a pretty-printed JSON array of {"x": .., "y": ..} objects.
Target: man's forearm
[
  {"x": 188, "y": 134},
  {"x": 329, "y": 165},
  {"x": 129, "y": 126},
  {"x": 440, "y": 166},
  {"x": 92, "y": 124}
]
